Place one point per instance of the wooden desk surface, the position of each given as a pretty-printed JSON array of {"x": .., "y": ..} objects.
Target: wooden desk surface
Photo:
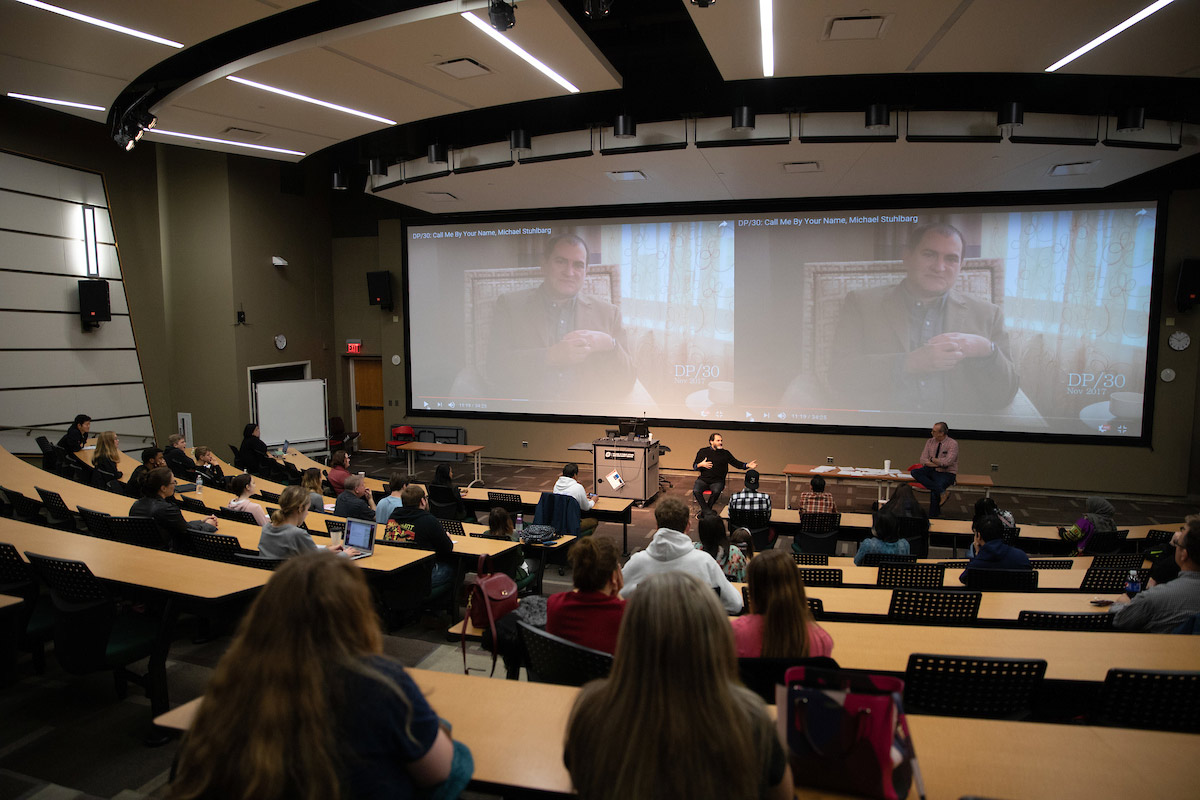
[
  {"x": 1077, "y": 562},
  {"x": 1068, "y": 579},
  {"x": 961, "y": 478},
  {"x": 439, "y": 447},
  {"x": 531, "y": 498},
  {"x": 7, "y": 601},
  {"x": 1014, "y": 763},
  {"x": 137, "y": 566},
  {"x": 994, "y": 606},
  {"x": 561, "y": 541},
  {"x": 1070, "y": 655}
]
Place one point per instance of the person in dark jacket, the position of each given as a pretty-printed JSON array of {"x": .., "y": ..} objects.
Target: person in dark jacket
[
  {"x": 157, "y": 486},
  {"x": 152, "y": 458},
  {"x": 990, "y": 550},
  {"x": 253, "y": 452},
  {"x": 356, "y": 500},
  {"x": 208, "y": 468},
  {"x": 76, "y": 436},
  {"x": 177, "y": 458},
  {"x": 412, "y": 522}
]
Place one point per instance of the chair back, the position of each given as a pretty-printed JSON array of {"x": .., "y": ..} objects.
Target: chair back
[
  {"x": 509, "y": 501},
  {"x": 269, "y": 497},
  {"x": 1125, "y": 561},
  {"x": 445, "y": 501},
  {"x": 333, "y": 526},
  {"x": 1102, "y": 579},
  {"x": 194, "y": 505},
  {"x": 934, "y": 606},
  {"x": 1063, "y": 621},
  {"x": 213, "y": 546},
  {"x": 453, "y": 526},
  {"x": 1010, "y": 536},
  {"x": 916, "y": 531},
  {"x": 911, "y": 576},
  {"x": 1104, "y": 542},
  {"x": 96, "y": 522},
  {"x": 818, "y": 532},
  {"x": 237, "y": 458},
  {"x": 56, "y": 509},
  {"x": 1051, "y": 563},
  {"x": 225, "y": 512},
  {"x": 821, "y": 576},
  {"x": 257, "y": 561},
  {"x": 117, "y": 487},
  {"x": 507, "y": 562},
  {"x": 1155, "y": 699},
  {"x": 25, "y": 509},
  {"x": 750, "y": 518},
  {"x": 16, "y": 578},
  {"x": 760, "y": 675},
  {"x": 559, "y": 511},
  {"x": 960, "y": 686},
  {"x": 141, "y": 531},
  {"x": 1159, "y": 537},
  {"x": 1016, "y": 580},
  {"x": 84, "y": 613},
  {"x": 553, "y": 659},
  {"x": 875, "y": 559},
  {"x": 811, "y": 559},
  {"x": 101, "y": 477}
]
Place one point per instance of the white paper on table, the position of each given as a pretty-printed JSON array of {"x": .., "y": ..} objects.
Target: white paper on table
[
  {"x": 614, "y": 479},
  {"x": 329, "y": 507},
  {"x": 824, "y": 469}
]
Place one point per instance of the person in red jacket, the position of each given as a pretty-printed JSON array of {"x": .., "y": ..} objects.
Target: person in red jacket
[{"x": 590, "y": 614}]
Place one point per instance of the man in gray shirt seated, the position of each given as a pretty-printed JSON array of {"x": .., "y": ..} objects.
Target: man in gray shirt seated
[
  {"x": 356, "y": 500},
  {"x": 1162, "y": 608}
]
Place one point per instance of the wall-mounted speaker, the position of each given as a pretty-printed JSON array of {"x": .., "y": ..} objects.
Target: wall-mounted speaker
[
  {"x": 94, "y": 307},
  {"x": 1188, "y": 293},
  {"x": 379, "y": 289}
]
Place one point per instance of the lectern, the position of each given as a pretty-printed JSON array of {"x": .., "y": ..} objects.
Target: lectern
[{"x": 635, "y": 462}]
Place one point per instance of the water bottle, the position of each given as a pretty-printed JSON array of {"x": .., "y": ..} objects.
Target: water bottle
[
  {"x": 199, "y": 483},
  {"x": 1132, "y": 584},
  {"x": 520, "y": 524}
]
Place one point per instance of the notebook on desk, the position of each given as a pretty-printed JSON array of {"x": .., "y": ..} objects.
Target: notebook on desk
[{"x": 360, "y": 535}]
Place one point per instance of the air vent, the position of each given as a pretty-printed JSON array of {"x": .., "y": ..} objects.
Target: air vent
[
  {"x": 245, "y": 134},
  {"x": 462, "y": 68},
  {"x": 843, "y": 29}
]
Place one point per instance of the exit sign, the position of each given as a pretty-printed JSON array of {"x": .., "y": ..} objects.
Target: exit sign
[{"x": 354, "y": 347}]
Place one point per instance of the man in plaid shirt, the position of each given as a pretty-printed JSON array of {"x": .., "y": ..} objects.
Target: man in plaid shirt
[
  {"x": 750, "y": 498},
  {"x": 818, "y": 500}
]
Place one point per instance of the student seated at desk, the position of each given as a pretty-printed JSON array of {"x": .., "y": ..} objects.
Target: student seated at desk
[
  {"x": 76, "y": 436},
  {"x": 208, "y": 469},
  {"x": 339, "y": 470},
  {"x": 674, "y": 692},
  {"x": 715, "y": 541},
  {"x": 413, "y": 523},
  {"x": 445, "y": 499},
  {"x": 178, "y": 460},
  {"x": 243, "y": 486},
  {"x": 304, "y": 704},
  {"x": 253, "y": 454},
  {"x": 107, "y": 455},
  {"x": 385, "y": 507},
  {"x": 157, "y": 485},
  {"x": 356, "y": 500},
  {"x": 310, "y": 481},
  {"x": 152, "y": 458},
  {"x": 282, "y": 536},
  {"x": 779, "y": 624},
  {"x": 989, "y": 550},
  {"x": 1097, "y": 518},
  {"x": 590, "y": 614},
  {"x": 885, "y": 538}
]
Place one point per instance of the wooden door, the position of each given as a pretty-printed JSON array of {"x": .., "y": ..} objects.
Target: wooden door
[{"x": 368, "y": 403}]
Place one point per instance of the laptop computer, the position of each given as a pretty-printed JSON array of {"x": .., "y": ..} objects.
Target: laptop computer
[{"x": 360, "y": 535}]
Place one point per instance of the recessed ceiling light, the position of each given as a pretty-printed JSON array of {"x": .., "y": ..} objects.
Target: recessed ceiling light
[
  {"x": 112, "y": 26},
  {"x": 1104, "y": 37},
  {"x": 52, "y": 101},
  {"x": 767, "y": 31},
  {"x": 517, "y": 50},
  {"x": 803, "y": 166},
  {"x": 627, "y": 175},
  {"x": 226, "y": 141},
  {"x": 1077, "y": 168},
  {"x": 307, "y": 99}
]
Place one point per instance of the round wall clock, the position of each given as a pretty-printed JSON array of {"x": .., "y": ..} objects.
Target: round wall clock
[
  {"x": 1167, "y": 375},
  {"x": 280, "y": 341},
  {"x": 1179, "y": 340}
]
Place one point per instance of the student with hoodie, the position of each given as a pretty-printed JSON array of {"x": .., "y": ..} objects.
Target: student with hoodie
[
  {"x": 672, "y": 549},
  {"x": 568, "y": 485},
  {"x": 1098, "y": 518}
]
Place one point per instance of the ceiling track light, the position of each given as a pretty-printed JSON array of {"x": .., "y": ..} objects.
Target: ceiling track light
[
  {"x": 596, "y": 9},
  {"x": 518, "y": 139},
  {"x": 624, "y": 127},
  {"x": 377, "y": 167},
  {"x": 340, "y": 182},
  {"x": 438, "y": 154},
  {"x": 502, "y": 15},
  {"x": 743, "y": 119},
  {"x": 704, "y": 3},
  {"x": 1131, "y": 120},
  {"x": 879, "y": 117},
  {"x": 1010, "y": 115}
]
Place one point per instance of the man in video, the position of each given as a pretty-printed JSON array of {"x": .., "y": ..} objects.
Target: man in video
[
  {"x": 553, "y": 338},
  {"x": 921, "y": 345}
]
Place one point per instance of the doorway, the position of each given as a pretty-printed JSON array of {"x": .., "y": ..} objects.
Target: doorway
[{"x": 366, "y": 376}]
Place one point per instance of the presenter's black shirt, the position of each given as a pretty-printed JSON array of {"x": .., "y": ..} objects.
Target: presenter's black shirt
[{"x": 721, "y": 459}]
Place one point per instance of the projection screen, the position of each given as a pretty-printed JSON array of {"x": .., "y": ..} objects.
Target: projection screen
[{"x": 1029, "y": 319}]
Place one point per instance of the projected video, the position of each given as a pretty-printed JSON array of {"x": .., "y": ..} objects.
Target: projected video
[{"x": 1007, "y": 319}]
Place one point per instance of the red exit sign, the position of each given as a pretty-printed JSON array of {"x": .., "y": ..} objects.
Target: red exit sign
[{"x": 354, "y": 347}]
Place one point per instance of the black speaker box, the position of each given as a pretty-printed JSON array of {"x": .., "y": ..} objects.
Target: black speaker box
[
  {"x": 379, "y": 289},
  {"x": 93, "y": 302},
  {"x": 1188, "y": 294}
]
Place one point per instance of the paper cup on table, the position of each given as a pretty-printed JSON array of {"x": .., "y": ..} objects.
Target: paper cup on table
[
  {"x": 335, "y": 537},
  {"x": 887, "y": 465}
]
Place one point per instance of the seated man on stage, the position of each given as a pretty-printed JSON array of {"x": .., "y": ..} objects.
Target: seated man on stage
[
  {"x": 567, "y": 484},
  {"x": 939, "y": 467},
  {"x": 713, "y": 464},
  {"x": 818, "y": 501},
  {"x": 1163, "y": 608}
]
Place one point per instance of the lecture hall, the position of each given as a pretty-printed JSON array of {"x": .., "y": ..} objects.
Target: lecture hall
[{"x": 873, "y": 320}]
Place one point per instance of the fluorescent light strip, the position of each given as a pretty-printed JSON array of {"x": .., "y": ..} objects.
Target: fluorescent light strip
[
  {"x": 1104, "y": 37},
  {"x": 307, "y": 99},
  {"x": 226, "y": 141},
  {"x": 112, "y": 26},
  {"x": 520, "y": 52},
  {"x": 53, "y": 102},
  {"x": 767, "y": 23}
]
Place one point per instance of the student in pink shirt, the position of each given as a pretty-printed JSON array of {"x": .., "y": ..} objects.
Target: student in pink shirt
[{"x": 779, "y": 624}]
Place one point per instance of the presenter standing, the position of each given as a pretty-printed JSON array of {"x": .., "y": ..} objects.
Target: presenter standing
[
  {"x": 939, "y": 467},
  {"x": 713, "y": 464}
]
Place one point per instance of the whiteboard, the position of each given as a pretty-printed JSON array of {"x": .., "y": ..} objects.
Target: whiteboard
[{"x": 294, "y": 411}]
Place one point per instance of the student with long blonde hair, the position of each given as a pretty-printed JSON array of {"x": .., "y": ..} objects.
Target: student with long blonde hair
[
  {"x": 674, "y": 693},
  {"x": 108, "y": 454},
  {"x": 779, "y": 624},
  {"x": 282, "y": 536},
  {"x": 305, "y": 705}
]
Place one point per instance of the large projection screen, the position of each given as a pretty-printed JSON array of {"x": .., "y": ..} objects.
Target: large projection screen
[{"x": 1007, "y": 320}]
